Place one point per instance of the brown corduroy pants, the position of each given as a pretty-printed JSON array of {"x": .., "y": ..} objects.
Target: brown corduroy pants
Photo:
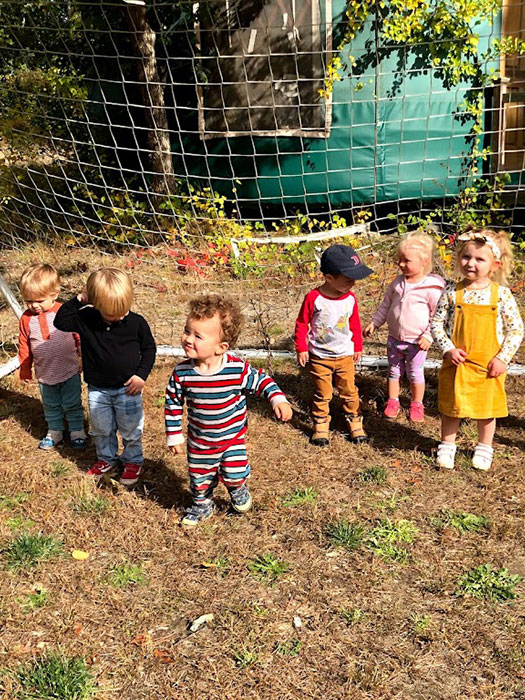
[{"x": 327, "y": 374}]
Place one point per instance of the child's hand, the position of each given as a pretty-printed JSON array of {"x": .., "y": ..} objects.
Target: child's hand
[
  {"x": 496, "y": 367},
  {"x": 134, "y": 385},
  {"x": 302, "y": 358},
  {"x": 83, "y": 298},
  {"x": 358, "y": 356},
  {"x": 19, "y": 378},
  {"x": 424, "y": 343},
  {"x": 369, "y": 329},
  {"x": 176, "y": 449},
  {"x": 283, "y": 411},
  {"x": 456, "y": 356}
]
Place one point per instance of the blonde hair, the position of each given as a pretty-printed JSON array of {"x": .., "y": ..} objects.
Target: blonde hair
[
  {"x": 501, "y": 238},
  {"x": 40, "y": 279},
  {"x": 110, "y": 291},
  {"x": 423, "y": 243},
  {"x": 229, "y": 312}
]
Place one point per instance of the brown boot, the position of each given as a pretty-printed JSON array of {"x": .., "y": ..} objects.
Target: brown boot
[
  {"x": 320, "y": 434},
  {"x": 355, "y": 428}
]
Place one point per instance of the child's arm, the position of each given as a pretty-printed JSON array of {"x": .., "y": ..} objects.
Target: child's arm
[
  {"x": 513, "y": 334},
  {"x": 173, "y": 407},
  {"x": 437, "y": 327},
  {"x": 425, "y": 339},
  {"x": 302, "y": 325},
  {"x": 67, "y": 317},
  {"x": 379, "y": 316},
  {"x": 25, "y": 356},
  {"x": 148, "y": 350},
  {"x": 357, "y": 334},
  {"x": 255, "y": 381}
]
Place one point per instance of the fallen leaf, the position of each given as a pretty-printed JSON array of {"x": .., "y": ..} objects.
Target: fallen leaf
[
  {"x": 77, "y": 629},
  {"x": 200, "y": 621},
  {"x": 141, "y": 639},
  {"x": 208, "y": 564},
  {"x": 163, "y": 656},
  {"x": 79, "y": 555}
]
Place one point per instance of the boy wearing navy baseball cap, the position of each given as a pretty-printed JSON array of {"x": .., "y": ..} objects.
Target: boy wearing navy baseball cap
[{"x": 329, "y": 339}]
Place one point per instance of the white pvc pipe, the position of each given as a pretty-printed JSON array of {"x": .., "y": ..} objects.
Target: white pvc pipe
[
  {"x": 10, "y": 297},
  {"x": 366, "y": 360}
]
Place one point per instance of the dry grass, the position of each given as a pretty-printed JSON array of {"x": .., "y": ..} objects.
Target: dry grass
[{"x": 370, "y": 628}]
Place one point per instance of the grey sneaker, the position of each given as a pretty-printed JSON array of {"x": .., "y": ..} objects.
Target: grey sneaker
[
  {"x": 241, "y": 499},
  {"x": 196, "y": 513}
]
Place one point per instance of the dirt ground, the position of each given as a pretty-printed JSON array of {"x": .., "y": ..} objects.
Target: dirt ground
[{"x": 333, "y": 623}]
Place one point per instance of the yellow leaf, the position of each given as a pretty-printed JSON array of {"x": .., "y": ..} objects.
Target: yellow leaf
[{"x": 79, "y": 554}]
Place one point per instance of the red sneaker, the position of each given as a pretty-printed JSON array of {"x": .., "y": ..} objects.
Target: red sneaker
[
  {"x": 131, "y": 474},
  {"x": 102, "y": 468},
  {"x": 392, "y": 408},
  {"x": 417, "y": 412}
]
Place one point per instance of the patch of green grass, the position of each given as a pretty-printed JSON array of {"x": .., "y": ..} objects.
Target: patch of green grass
[
  {"x": 159, "y": 401},
  {"x": 56, "y": 677},
  {"x": 245, "y": 656},
  {"x": 343, "y": 533},
  {"x": 87, "y": 502},
  {"x": 126, "y": 574},
  {"x": 300, "y": 497},
  {"x": 59, "y": 468},
  {"x": 11, "y": 502},
  {"x": 18, "y": 522},
  {"x": 419, "y": 625},
  {"x": 374, "y": 474},
  {"x": 290, "y": 648},
  {"x": 353, "y": 616},
  {"x": 29, "y": 550},
  {"x": 390, "y": 503},
  {"x": 463, "y": 522},
  {"x": 384, "y": 539},
  {"x": 267, "y": 567},
  {"x": 34, "y": 600},
  {"x": 485, "y": 582}
]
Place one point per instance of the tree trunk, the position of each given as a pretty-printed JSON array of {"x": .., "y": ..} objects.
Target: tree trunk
[{"x": 143, "y": 42}]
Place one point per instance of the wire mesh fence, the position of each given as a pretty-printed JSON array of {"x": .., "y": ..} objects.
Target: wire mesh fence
[{"x": 158, "y": 132}]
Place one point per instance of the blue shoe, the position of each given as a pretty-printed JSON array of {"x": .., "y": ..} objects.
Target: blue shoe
[
  {"x": 50, "y": 441},
  {"x": 79, "y": 443},
  {"x": 241, "y": 499},
  {"x": 196, "y": 513}
]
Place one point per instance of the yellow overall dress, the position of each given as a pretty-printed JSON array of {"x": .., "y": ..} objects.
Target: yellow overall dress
[{"x": 466, "y": 391}]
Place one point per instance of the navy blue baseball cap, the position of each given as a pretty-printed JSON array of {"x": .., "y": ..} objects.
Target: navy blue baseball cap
[{"x": 343, "y": 260}]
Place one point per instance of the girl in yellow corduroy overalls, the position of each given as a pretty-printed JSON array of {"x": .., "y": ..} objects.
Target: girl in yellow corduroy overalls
[{"x": 478, "y": 327}]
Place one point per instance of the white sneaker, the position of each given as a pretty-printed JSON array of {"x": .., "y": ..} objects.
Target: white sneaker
[
  {"x": 482, "y": 458},
  {"x": 445, "y": 455}
]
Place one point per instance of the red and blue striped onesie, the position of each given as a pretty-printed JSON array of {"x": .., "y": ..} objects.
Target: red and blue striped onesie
[{"x": 217, "y": 420}]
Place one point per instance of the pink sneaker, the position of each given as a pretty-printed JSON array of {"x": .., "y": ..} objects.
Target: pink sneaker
[
  {"x": 392, "y": 408},
  {"x": 417, "y": 412},
  {"x": 131, "y": 474},
  {"x": 102, "y": 468}
]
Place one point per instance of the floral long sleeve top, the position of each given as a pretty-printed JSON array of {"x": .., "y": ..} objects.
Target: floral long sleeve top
[{"x": 509, "y": 324}]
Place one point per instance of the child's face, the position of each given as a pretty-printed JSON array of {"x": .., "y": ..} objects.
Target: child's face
[
  {"x": 477, "y": 263},
  {"x": 338, "y": 284},
  {"x": 411, "y": 262},
  {"x": 39, "y": 303},
  {"x": 111, "y": 319},
  {"x": 202, "y": 338}
]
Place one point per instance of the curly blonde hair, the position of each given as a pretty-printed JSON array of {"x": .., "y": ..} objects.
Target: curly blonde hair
[
  {"x": 502, "y": 273},
  {"x": 229, "y": 312},
  {"x": 423, "y": 243}
]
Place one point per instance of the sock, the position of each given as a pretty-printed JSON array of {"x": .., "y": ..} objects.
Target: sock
[
  {"x": 77, "y": 435},
  {"x": 55, "y": 435}
]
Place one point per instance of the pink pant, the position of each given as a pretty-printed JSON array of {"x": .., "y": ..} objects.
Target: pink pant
[{"x": 405, "y": 357}]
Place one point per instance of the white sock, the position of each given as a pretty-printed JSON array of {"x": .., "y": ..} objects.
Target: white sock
[
  {"x": 77, "y": 435},
  {"x": 55, "y": 435}
]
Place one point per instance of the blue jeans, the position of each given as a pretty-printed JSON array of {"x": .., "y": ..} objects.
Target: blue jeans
[
  {"x": 63, "y": 398},
  {"x": 111, "y": 410}
]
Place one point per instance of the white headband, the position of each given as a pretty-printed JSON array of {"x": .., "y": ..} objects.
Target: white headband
[{"x": 482, "y": 238}]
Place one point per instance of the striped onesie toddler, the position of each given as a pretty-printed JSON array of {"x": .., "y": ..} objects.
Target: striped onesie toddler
[{"x": 217, "y": 420}]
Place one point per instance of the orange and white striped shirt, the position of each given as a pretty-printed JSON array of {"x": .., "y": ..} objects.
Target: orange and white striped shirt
[{"x": 53, "y": 352}]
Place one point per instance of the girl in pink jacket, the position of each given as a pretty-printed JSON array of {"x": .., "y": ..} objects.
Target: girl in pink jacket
[{"x": 408, "y": 306}]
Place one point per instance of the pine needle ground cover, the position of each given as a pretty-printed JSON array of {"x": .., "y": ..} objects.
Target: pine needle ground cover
[{"x": 292, "y": 612}]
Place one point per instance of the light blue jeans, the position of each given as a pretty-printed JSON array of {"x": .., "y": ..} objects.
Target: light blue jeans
[
  {"x": 63, "y": 398},
  {"x": 111, "y": 410}
]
